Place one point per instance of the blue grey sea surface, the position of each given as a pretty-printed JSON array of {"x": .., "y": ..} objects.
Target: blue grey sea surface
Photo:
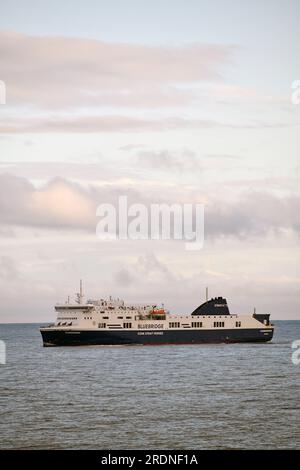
[{"x": 228, "y": 396}]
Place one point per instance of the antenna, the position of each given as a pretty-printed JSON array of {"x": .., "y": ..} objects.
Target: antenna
[
  {"x": 80, "y": 294},
  {"x": 206, "y": 294},
  {"x": 81, "y": 291}
]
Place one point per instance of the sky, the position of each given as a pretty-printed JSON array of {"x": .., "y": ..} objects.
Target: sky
[{"x": 164, "y": 102}]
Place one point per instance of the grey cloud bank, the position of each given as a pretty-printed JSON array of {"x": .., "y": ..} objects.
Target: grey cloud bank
[{"x": 61, "y": 204}]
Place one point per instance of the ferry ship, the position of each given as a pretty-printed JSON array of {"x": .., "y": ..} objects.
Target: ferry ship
[{"x": 113, "y": 322}]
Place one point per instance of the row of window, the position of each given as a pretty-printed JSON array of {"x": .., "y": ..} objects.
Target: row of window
[
  {"x": 88, "y": 318},
  {"x": 219, "y": 324},
  {"x": 197, "y": 324},
  {"x": 66, "y": 318},
  {"x": 119, "y": 318},
  {"x": 215, "y": 316},
  {"x": 120, "y": 307},
  {"x": 125, "y": 325}
]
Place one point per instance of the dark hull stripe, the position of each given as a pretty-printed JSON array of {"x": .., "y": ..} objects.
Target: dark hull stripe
[{"x": 91, "y": 337}]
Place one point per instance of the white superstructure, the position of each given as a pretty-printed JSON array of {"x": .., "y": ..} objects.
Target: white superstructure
[{"x": 114, "y": 314}]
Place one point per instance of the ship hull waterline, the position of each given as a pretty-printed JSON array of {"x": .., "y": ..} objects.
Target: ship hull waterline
[{"x": 58, "y": 337}]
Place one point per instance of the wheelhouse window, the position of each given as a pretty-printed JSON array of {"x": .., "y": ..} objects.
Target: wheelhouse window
[
  {"x": 127, "y": 325},
  {"x": 238, "y": 324},
  {"x": 174, "y": 324},
  {"x": 197, "y": 324},
  {"x": 101, "y": 325}
]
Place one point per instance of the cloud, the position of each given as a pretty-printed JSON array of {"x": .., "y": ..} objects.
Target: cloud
[
  {"x": 129, "y": 147},
  {"x": 63, "y": 205},
  {"x": 125, "y": 278},
  {"x": 59, "y": 204},
  {"x": 213, "y": 156},
  {"x": 186, "y": 160},
  {"x": 49, "y": 71},
  {"x": 255, "y": 213},
  {"x": 151, "y": 268},
  {"x": 8, "y": 269},
  {"x": 75, "y": 170},
  {"x": 102, "y": 123},
  {"x": 62, "y": 123}
]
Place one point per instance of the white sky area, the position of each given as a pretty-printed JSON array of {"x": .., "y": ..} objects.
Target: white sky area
[{"x": 162, "y": 101}]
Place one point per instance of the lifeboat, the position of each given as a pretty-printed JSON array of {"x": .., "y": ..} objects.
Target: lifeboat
[{"x": 159, "y": 311}]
